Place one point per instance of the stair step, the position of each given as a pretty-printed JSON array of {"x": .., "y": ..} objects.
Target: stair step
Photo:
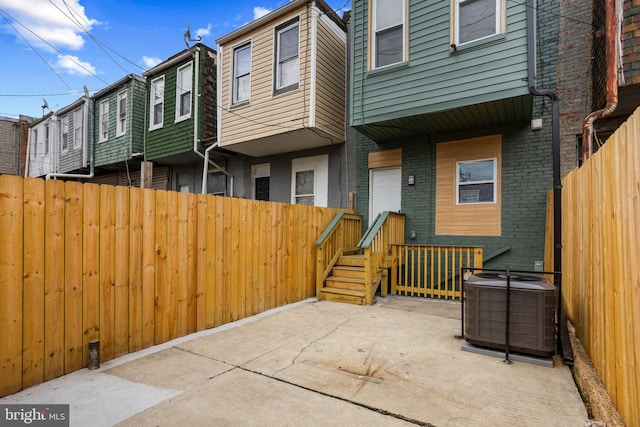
[
  {"x": 348, "y": 271},
  {"x": 347, "y": 283},
  {"x": 351, "y": 260},
  {"x": 342, "y": 295}
]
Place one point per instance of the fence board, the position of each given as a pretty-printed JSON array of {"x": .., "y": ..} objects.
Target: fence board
[
  {"x": 33, "y": 284},
  {"x": 90, "y": 268},
  {"x": 54, "y": 280},
  {"x": 11, "y": 261},
  {"x": 107, "y": 272},
  {"x": 121, "y": 272},
  {"x": 134, "y": 267},
  {"x": 73, "y": 342}
]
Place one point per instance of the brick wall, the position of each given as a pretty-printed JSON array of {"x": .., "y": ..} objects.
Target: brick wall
[
  {"x": 631, "y": 41},
  {"x": 9, "y": 145}
]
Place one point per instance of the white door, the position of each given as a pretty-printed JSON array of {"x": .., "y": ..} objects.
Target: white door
[{"x": 384, "y": 191}]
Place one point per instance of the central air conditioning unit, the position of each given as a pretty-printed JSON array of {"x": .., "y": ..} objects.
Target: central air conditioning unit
[{"x": 531, "y": 312}]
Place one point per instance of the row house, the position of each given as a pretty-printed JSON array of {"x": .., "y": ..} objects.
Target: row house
[
  {"x": 449, "y": 131},
  {"x": 13, "y": 144},
  {"x": 281, "y": 106}
]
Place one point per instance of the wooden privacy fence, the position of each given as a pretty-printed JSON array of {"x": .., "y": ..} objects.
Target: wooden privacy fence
[
  {"x": 432, "y": 271},
  {"x": 601, "y": 262},
  {"x": 134, "y": 268}
]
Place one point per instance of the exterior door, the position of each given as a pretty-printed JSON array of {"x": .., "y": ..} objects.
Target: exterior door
[
  {"x": 262, "y": 188},
  {"x": 384, "y": 191}
]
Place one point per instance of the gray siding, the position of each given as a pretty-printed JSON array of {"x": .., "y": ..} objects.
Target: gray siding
[{"x": 71, "y": 158}]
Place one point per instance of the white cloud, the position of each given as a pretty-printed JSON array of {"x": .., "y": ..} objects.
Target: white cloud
[
  {"x": 203, "y": 32},
  {"x": 150, "y": 61},
  {"x": 259, "y": 12},
  {"x": 74, "y": 66},
  {"x": 60, "y": 23}
]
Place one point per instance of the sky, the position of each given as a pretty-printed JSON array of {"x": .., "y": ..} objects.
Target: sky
[{"x": 50, "y": 50}]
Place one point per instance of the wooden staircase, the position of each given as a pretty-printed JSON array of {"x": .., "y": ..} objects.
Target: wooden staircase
[{"x": 346, "y": 282}]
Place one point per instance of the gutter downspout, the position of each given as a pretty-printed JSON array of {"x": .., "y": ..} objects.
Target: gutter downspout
[
  {"x": 26, "y": 162},
  {"x": 611, "y": 54},
  {"x": 557, "y": 185},
  {"x": 205, "y": 168},
  {"x": 86, "y": 138}
]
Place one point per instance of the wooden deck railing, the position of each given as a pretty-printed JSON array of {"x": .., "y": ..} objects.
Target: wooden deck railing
[
  {"x": 339, "y": 238},
  {"x": 431, "y": 271},
  {"x": 386, "y": 230}
]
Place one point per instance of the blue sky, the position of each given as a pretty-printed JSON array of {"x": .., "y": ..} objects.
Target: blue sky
[{"x": 51, "y": 49}]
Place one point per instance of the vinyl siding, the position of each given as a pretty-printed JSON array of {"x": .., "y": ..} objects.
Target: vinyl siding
[
  {"x": 266, "y": 115},
  {"x": 70, "y": 159},
  {"x": 436, "y": 78},
  {"x": 330, "y": 81}
]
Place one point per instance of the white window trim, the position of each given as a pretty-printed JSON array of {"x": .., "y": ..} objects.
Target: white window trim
[
  {"x": 119, "y": 97},
  {"x": 259, "y": 171},
  {"x": 241, "y": 46},
  {"x": 104, "y": 109},
  {"x": 494, "y": 181},
  {"x": 374, "y": 31},
  {"x": 64, "y": 126},
  {"x": 320, "y": 166},
  {"x": 34, "y": 138},
  {"x": 180, "y": 90},
  {"x": 152, "y": 90},
  {"x": 277, "y": 88},
  {"x": 47, "y": 138},
  {"x": 77, "y": 128},
  {"x": 499, "y": 24}
]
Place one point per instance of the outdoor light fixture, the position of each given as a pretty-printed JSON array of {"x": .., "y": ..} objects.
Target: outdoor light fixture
[{"x": 411, "y": 180}]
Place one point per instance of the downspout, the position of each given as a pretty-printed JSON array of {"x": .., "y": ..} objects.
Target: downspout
[
  {"x": 555, "y": 145},
  {"x": 26, "y": 162},
  {"x": 87, "y": 135},
  {"x": 611, "y": 27},
  {"x": 205, "y": 168}
]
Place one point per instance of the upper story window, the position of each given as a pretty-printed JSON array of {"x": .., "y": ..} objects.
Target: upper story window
[
  {"x": 121, "y": 114},
  {"x": 476, "y": 181},
  {"x": 46, "y": 139},
  {"x": 183, "y": 92},
  {"x": 34, "y": 138},
  {"x": 477, "y": 19},
  {"x": 156, "y": 113},
  {"x": 65, "y": 133},
  {"x": 104, "y": 121},
  {"x": 287, "y": 57},
  {"x": 388, "y": 32},
  {"x": 77, "y": 128},
  {"x": 241, "y": 74}
]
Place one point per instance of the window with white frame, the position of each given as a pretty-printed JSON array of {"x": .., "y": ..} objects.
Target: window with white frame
[
  {"x": 77, "y": 128},
  {"x": 476, "y": 19},
  {"x": 103, "y": 128},
  {"x": 388, "y": 36},
  {"x": 310, "y": 180},
  {"x": 476, "y": 181},
  {"x": 241, "y": 74},
  {"x": 121, "y": 114},
  {"x": 156, "y": 113},
  {"x": 184, "y": 89},
  {"x": 34, "y": 144},
  {"x": 46, "y": 139},
  {"x": 65, "y": 133},
  {"x": 287, "y": 73}
]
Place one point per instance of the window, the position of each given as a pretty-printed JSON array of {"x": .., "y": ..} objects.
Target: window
[
  {"x": 183, "y": 92},
  {"x": 34, "y": 144},
  {"x": 287, "y": 60},
  {"x": 241, "y": 74},
  {"x": 65, "y": 133},
  {"x": 46, "y": 139},
  {"x": 388, "y": 38},
  {"x": 476, "y": 181},
  {"x": 77, "y": 128},
  {"x": 476, "y": 19},
  {"x": 156, "y": 112},
  {"x": 121, "y": 114},
  {"x": 103, "y": 128},
  {"x": 468, "y": 195},
  {"x": 310, "y": 180}
]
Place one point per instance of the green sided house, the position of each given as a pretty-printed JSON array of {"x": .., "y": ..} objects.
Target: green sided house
[
  {"x": 448, "y": 131},
  {"x": 118, "y": 131},
  {"x": 180, "y": 120},
  {"x": 281, "y": 97}
]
